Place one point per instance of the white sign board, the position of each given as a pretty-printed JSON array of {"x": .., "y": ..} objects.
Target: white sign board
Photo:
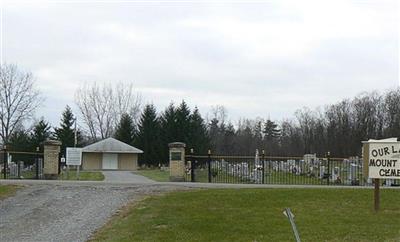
[
  {"x": 384, "y": 160},
  {"x": 74, "y": 156}
]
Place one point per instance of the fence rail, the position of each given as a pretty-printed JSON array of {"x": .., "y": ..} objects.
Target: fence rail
[
  {"x": 261, "y": 169},
  {"x": 21, "y": 165}
]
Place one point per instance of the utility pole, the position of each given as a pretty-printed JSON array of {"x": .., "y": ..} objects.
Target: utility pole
[{"x": 75, "y": 136}]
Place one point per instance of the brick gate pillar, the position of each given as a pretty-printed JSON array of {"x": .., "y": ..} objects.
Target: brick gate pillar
[
  {"x": 177, "y": 161},
  {"x": 51, "y": 150}
]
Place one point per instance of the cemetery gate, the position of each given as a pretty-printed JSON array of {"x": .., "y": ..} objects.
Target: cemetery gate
[
  {"x": 21, "y": 165},
  {"x": 261, "y": 169}
]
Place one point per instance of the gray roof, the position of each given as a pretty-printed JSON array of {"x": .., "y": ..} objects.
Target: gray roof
[{"x": 111, "y": 145}]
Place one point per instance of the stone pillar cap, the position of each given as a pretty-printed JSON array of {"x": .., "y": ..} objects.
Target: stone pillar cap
[
  {"x": 51, "y": 142},
  {"x": 177, "y": 145}
]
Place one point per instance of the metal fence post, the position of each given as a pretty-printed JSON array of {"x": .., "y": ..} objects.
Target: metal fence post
[
  {"x": 19, "y": 169},
  {"x": 192, "y": 166},
  {"x": 328, "y": 156},
  {"x": 263, "y": 166},
  {"x": 5, "y": 163},
  {"x": 37, "y": 162},
  {"x": 209, "y": 166}
]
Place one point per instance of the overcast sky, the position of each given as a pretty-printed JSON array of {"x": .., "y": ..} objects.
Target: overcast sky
[{"x": 257, "y": 58}]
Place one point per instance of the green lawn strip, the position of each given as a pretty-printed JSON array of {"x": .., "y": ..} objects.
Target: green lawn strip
[
  {"x": 83, "y": 176},
  {"x": 154, "y": 174},
  {"x": 7, "y": 190},
  {"x": 256, "y": 215}
]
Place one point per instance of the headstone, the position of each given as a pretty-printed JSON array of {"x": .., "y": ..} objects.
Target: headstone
[
  {"x": 310, "y": 158},
  {"x": 353, "y": 172},
  {"x": 321, "y": 172}
]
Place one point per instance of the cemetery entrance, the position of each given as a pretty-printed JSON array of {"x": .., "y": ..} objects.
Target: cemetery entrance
[
  {"x": 261, "y": 169},
  {"x": 21, "y": 165}
]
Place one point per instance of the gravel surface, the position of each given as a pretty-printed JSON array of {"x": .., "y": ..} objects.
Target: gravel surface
[{"x": 49, "y": 212}]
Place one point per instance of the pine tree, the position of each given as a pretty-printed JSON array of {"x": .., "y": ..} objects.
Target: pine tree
[
  {"x": 214, "y": 134},
  {"x": 198, "y": 137},
  {"x": 66, "y": 132},
  {"x": 148, "y": 138},
  {"x": 168, "y": 130},
  {"x": 125, "y": 131},
  {"x": 271, "y": 130},
  {"x": 40, "y": 132},
  {"x": 183, "y": 123},
  {"x": 20, "y": 140},
  {"x": 271, "y": 137},
  {"x": 228, "y": 142}
]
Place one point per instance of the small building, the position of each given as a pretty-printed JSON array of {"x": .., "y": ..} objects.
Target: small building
[{"x": 110, "y": 154}]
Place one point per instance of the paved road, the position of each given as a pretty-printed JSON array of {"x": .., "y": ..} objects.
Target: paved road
[
  {"x": 125, "y": 177},
  {"x": 65, "y": 212}
]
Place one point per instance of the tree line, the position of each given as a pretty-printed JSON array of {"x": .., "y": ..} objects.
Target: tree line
[
  {"x": 116, "y": 110},
  {"x": 338, "y": 128}
]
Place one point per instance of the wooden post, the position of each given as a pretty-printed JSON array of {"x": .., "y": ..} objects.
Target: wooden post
[{"x": 376, "y": 195}]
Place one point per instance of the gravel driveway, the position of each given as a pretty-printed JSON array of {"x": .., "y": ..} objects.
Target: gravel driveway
[{"x": 48, "y": 212}]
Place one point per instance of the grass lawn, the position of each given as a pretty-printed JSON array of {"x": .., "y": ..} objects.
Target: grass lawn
[
  {"x": 7, "y": 190},
  {"x": 256, "y": 215},
  {"x": 154, "y": 174},
  {"x": 83, "y": 176}
]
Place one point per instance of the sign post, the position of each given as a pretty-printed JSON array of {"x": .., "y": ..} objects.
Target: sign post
[
  {"x": 376, "y": 195},
  {"x": 74, "y": 157},
  {"x": 381, "y": 161}
]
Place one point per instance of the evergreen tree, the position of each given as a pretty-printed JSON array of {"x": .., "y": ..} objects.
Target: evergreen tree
[
  {"x": 214, "y": 134},
  {"x": 198, "y": 137},
  {"x": 40, "y": 132},
  {"x": 148, "y": 138},
  {"x": 228, "y": 143},
  {"x": 183, "y": 123},
  {"x": 66, "y": 132},
  {"x": 271, "y": 130},
  {"x": 168, "y": 130},
  {"x": 20, "y": 140},
  {"x": 125, "y": 131}
]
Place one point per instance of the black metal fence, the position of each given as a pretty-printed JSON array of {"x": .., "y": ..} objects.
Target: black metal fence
[
  {"x": 261, "y": 169},
  {"x": 21, "y": 165}
]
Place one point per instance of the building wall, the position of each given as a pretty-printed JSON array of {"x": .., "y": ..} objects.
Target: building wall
[
  {"x": 127, "y": 161},
  {"x": 92, "y": 161}
]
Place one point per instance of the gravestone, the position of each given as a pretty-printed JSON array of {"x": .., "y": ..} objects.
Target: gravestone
[{"x": 321, "y": 172}]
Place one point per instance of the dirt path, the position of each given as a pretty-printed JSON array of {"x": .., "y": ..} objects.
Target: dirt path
[{"x": 46, "y": 212}]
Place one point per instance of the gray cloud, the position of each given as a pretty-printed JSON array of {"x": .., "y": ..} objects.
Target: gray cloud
[{"x": 257, "y": 59}]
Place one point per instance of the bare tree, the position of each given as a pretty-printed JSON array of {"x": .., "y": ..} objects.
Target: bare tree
[
  {"x": 220, "y": 113},
  {"x": 101, "y": 107},
  {"x": 18, "y": 98},
  {"x": 127, "y": 102}
]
